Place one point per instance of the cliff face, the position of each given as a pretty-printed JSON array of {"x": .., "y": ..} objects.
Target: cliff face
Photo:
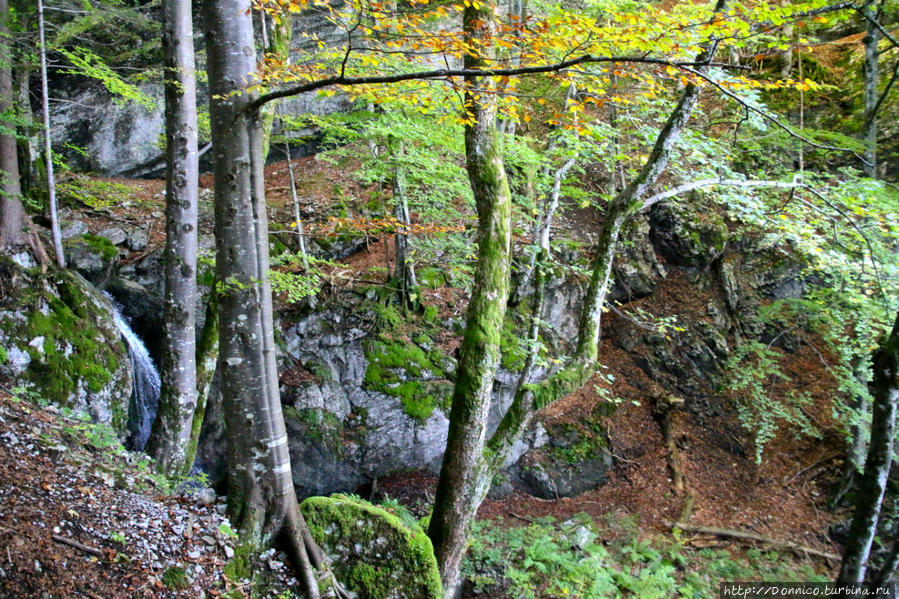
[{"x": 366, "y": 387}]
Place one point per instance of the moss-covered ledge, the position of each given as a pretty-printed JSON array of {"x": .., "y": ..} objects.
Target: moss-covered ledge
[{"x": 373, "y": 552}]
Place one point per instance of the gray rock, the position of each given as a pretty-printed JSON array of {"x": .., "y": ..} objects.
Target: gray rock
[
  {"x": 72, "y": 229},
  {"x": 690, "y": 234},
  {"x": 115, "y": 235}
]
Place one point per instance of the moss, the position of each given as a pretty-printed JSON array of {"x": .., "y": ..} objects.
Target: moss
[
  {"x": 376, "y": 554},
  {"x": 319, "y": 425},
  {"x": 175, "y": 578},
  {"x": 101, "y": 245},
  {"x": 240, "y": 567},
  {"x": 396, "y": 368},
  {"x": 74, "y": 352}
]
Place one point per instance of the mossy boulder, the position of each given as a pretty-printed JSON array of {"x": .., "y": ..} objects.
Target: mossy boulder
[
  {"x": 60, "y": 342},
  {"x": 374, "y": 553}
]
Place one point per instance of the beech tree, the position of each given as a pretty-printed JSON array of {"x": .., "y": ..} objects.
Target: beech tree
[
  {"x": 262, "y": 502},
  {"x": 877, "y": 465},
  {"x": 170, "y": 440}
]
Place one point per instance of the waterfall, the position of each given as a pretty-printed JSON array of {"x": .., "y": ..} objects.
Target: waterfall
[{"x": 145, "y": 391}]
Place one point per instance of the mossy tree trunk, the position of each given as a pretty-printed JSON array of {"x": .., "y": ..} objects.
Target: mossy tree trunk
[
  {"x": 262, "y": 503},
  {"x": 871, "y": 72},
  {"x": 170, "y": 441},
  {"x": 471, "y": 461},
  {"x": 877, "y": 465},
  {"x": 462, "y": 483}
]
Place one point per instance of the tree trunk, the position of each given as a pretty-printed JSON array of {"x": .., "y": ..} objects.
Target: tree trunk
[
  {"x": 872, "y": 78},
  {"x": 404, "y": 272},
  {"x": 468, "y": 466},
  {"x": 171, "y": 437},
  {"x": 48, "y": 149},
  {"x": 207, "y": 355},
  {"x": 261, "y": 499},
  {"x": 877, "y": 465},
  {"x": 16, "y": 231},
  {"x": 461, "y": 485}
]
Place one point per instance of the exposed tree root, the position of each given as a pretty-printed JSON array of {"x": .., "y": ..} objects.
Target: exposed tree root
[
  {"x": 663, "y": 405},
  {"x": 741, "y": 535}
]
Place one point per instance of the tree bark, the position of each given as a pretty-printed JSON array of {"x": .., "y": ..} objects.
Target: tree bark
[
  {"x": 871, "y": 70},
  {"x": 16, "y": 231},
  {"x": 48, "y": 149},
  {"x": 404, "y": 272},
  {"x": 170, "y": 441},
  {"x": 461, "y": 485},
  {"x": 877, "y": 466},
  {"x": 262, "y": 502}
]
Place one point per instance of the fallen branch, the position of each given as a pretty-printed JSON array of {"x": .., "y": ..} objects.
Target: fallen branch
[
  {"x": 823, "y": 460},
  {"x": 73, "y": 543},
  {"x": 751, "y": 536}
]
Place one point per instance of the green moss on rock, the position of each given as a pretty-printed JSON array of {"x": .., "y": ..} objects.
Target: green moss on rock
[
  {"x": 404, "y": 370},
  {"x": 67, "y": 347},
  {"x": 374, "y": 553}
]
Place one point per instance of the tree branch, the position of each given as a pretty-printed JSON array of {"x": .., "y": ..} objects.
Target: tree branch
[
  {"x": 462, "y": 72},
  {"x": 686, "y": 187},
  {"x": 767, "y": 116}
]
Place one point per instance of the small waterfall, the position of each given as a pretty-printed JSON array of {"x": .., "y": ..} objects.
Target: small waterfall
[{"x": 145, "y": 393}]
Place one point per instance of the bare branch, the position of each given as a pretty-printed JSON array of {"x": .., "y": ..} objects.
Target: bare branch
[
  {"x": 767, "y": 116},
  {"x": 686, "y": 187},
  {"x": 462, "y": 72}
]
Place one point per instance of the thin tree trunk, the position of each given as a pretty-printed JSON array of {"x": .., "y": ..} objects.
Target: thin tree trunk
[
  {"x": 16, "y": 231},
  {"x": 461, "y": 482},
  {"x": 262, "y": 502},
  {"x": 877, "y": 465},
  {"x": 872, "y": 78},
  {"x": 207, "y": 356},
  {"x": 48, "y": 149},
  {"x": 404, "y": 272},
  {"x": 170, "y": 440}
]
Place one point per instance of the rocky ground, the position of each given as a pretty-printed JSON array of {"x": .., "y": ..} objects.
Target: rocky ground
[{"x": 80, "y": 517}]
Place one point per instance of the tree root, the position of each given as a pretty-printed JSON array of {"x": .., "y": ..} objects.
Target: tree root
[
  {"x": 663, "y": 405},
  {"x": 741, "y": 535}
]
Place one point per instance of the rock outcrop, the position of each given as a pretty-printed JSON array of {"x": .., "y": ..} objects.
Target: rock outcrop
[{"x": 58, "y": 339}]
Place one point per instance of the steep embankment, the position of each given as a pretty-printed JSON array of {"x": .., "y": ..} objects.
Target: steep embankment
[{"x": 80, "y": 517}]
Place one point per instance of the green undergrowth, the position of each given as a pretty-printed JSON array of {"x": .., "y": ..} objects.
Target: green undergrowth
[
  {"x": 579, "y": 558},
  {"x": 405, "y": 362}
]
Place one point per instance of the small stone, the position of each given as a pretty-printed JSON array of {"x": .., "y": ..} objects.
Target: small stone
[
  {"x": 229, "y": 552},
  {"x": 206, "y": 496}
]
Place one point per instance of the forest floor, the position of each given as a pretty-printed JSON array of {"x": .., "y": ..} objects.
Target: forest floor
[
  {"x": 52, "y": 487},
  {"x": 81, "y": 517}
]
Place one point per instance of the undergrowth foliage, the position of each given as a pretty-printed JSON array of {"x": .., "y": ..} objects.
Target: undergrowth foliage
[{"x": 579, "y": 559}]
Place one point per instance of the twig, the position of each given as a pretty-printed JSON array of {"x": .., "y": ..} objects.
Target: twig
[{"x": 73, "y": 543}]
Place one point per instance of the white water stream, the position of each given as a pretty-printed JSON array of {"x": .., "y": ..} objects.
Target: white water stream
[{"x": 145, "y": 394}]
